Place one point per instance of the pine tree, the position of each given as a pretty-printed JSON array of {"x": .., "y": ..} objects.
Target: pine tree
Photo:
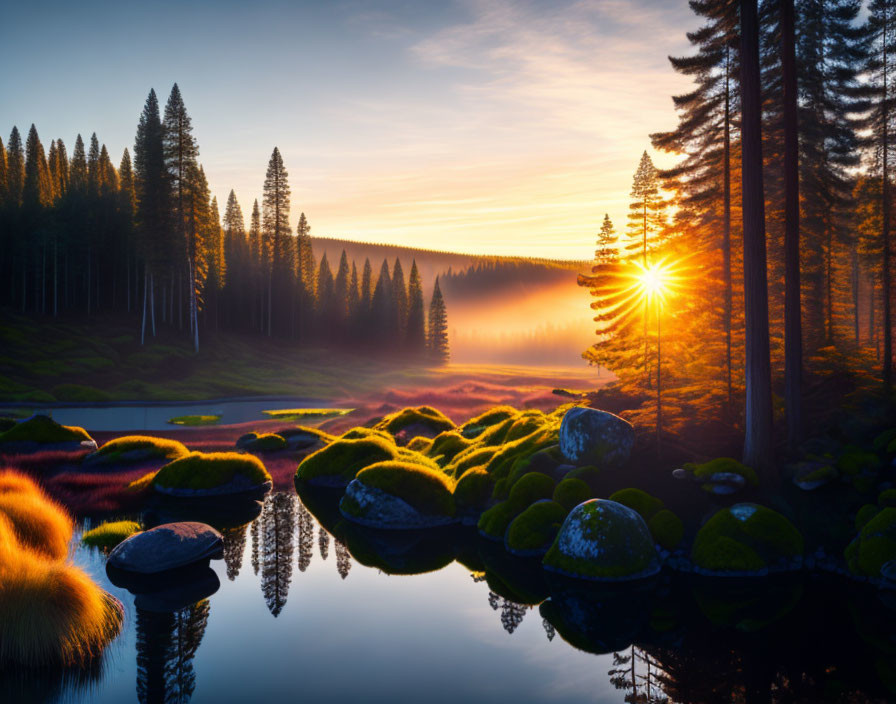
[
  {"x": 127, "y": 208},
  {"x": 354, "y": 299},
  {"x": 400, "y": 302},
  {"x": 339, "y": 319},
  {"x": 416, "y": 327},
  {"x": 382, "y": 308},
  {"x": 276, "y": 226},
  {"x": 325, "y": 296},
  {"x": 15, "y": 175},
  {"x": 646, "y": 211},
  {"x": 152, "y": 187},
  {"x": 305, "y": 257},
  {"x": 438, "y": 326}
]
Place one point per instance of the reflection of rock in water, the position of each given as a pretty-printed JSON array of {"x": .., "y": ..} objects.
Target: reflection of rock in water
[
  {"x": 166, "y": 646},
  {"x": 343, "y": 558},
  {"x": 549, "y": 630},
  {"x": 323, "y": 542},
  {"x": 234, "y": 547},
  {"x": 305, "y": 537},
  {"x": 278, "y": 519},
  {"x": 511, "y": 613},
  {"x": 256, "y": 527}
]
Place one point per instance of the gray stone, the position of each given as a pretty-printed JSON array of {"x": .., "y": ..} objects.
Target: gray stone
[
  {"x": 590, "y": 436},
  {"x": 681, "y": 474},
  {"x": 167, "y": 547},
  {"x": 605, "y": 541},
  {"x": 809, "y": 475},
  {"x": 379, "y": 509},
  {"x": 724, "y": 483},
  {"x": 888, "y": 572}
]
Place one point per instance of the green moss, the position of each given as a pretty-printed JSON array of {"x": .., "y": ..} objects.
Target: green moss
[
  {"x": 887, "y": 498},
  {"x": 359, "y": 433},
  {"x": 874, "y": 545},
  {"x": 536, "y": 527},
  {"x": 307, "y": 413},
  {"x": 42, "y": 429},
  {"x": 495, "y": 520},
  {"x": 427, "y": 490},
  {"x": 194, "y": 420},
  {"x": 144, "y": 446},
  {"x": 343, "y": 458},
  {"x": 107, "y": 535},
  {"x": 865, "y": 514},
  {"x": 746, "y": 534},
  {"x": 447, "y": 445},
  {"x": 531, "y": 487},
  {"x": 638, "y": 500},
  {"x": 420, "y": 444},
  {"x": 471, "y": 457},
  {"x": 666, "y": 529},
  {"x": 473, "y": 490},
  {"x": 510, "y": 452},
  {"x": 268, "y": 442},
  {"x": 429, "y": 417},
  {"x": 823, "y": 473},
  {"x": 200, "y": 470},
  {"x": 476, "y": 425},
  {"x": 569, "y": 493},
  {"x": 588, "y": 474},
  {"x": 884, "y": 440},
  {"x": 855, "y": 461},
  {"x": 723, "y": 464}
]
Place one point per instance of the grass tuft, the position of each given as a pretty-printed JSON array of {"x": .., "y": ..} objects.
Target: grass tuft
[
  {"x": 39, "y": 524},
  {"x": 107, "y": 535}
]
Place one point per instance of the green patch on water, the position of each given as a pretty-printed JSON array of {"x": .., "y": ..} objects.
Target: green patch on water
[{"x": 194, "y": 421}]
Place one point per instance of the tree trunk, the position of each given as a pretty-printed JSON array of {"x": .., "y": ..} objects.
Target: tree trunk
[
  {"x": 152, "y": 302},
  {"x": 726, "y": 236},
  {"x": 885, "y": 235},
  {"x": 854, "y": 260},
  {"x": 793, "y": 334},
  {"x": 758, "y": 417},
  {"x": 143, "y": 323}
]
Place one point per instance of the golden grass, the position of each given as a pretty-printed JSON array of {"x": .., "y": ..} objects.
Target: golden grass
[
  {"x": 107, "y": 535},
  {"x": 12, "y": 482},
  {"x": 51, "y": 613},
  {"x": 39, "y": 523}
]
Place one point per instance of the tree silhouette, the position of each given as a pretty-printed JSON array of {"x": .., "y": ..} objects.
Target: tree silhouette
[
  {"x": 234, "y": 547},
  {"x": 305, "y": 537},
  {"x": 343, "y": 558},
  {"x": 166, "y": 646},
  {"x": 278, "y": 527}
]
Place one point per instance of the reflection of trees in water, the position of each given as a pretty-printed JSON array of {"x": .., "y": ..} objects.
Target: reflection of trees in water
[
  {"x": 549, "y": 629},
  {"x": 234, "y": 547},
  {"x": 278, "y": 526},
  {"x": 343, "y": 558},
  {"x": 256, "y": 528},
  {"x": 166, "y": 645},
  {"x": 511, "y": 613},
  {"x": 305, "y": 525},
  {"x": 323, "y": 542}
]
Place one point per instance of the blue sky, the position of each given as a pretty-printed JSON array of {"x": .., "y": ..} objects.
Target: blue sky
[{"x": 493, "y": 127}]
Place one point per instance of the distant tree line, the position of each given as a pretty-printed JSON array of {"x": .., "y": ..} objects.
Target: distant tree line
[
  {"x": 505, "y": 274},
  {"x": 79, "y": 235}
]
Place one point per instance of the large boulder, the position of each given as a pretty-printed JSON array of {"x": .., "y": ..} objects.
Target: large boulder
[
  {"x": 747, "y": 539},
  {"x": 167, "y": 547},
  {"x": 874, "y": 546},
  {"x": 603, "y": 540},
  {"x": 201, "y": 475},
  {"x": 589, "y": 436},
  {"x": 135, "y": 449},
  {"x": 399, "y": 496}
]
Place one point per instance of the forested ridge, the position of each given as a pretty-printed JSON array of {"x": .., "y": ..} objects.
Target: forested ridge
[
  {"x": 771, "y": 232},
  {"x": 79, "y": 235}
]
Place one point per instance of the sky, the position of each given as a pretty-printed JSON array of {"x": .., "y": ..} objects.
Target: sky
[{"x": 479, "y": 126}]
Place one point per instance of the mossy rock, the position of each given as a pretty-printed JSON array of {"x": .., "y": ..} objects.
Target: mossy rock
[
  {"x": 590, "y": 436},
  {"x": 511, "y": 452},
  {"x": 447, "y": 445},
  {"x": 340, "y": 461},
  {"x": 874, "y": 546},
  {"x": 41, "y": 432},
  {"x": 493, "y": 416},
  {"x": 473, "y": 490},
  {"x": 267, "y": 442},
  {"x": 420, "y": 444},
  {"x": 359, "y": 433},
  {"x": 865, "y": 514},
  {"x": 722, "y": 465},
  {"x": 605, "y": 541},
  {"x": 421, "y": 418},
  {"x": 812, "y": 474},
  {"x": 747, "y": 539},
  {"x": 887, "y": 498},
  {"x": 589, "y": 474},
  {"x": 533, "y": 531},
  {"x": 854, "y": 461},
  {"x": 571, "y": 492},
  {"x": 471, "y": 457},
  {"x": 109, "y": 534},
  {"x": 201, "y": 474},
  {"x": 493, "y": 522},
  {"x": 131, "y": 449},
  {"x": 399, "y": 495},
  {"x": 885, "y": 440},
  {"x": 666, "y": 528},
  {"x": 638, "y": 500},
  {"x": 530, "y": 488}
]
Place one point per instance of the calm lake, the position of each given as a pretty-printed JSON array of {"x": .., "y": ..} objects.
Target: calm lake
[{"x": 293, "y": 614}]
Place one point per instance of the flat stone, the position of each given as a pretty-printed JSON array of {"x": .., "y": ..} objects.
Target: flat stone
[
  {"x": 724, "y": 483},
  {"x": 167, "y": 547},
  {"x": 383, "y": 510}
]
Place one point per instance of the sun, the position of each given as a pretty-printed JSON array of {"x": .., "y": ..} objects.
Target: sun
[{"x": 654, "y": 281}]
